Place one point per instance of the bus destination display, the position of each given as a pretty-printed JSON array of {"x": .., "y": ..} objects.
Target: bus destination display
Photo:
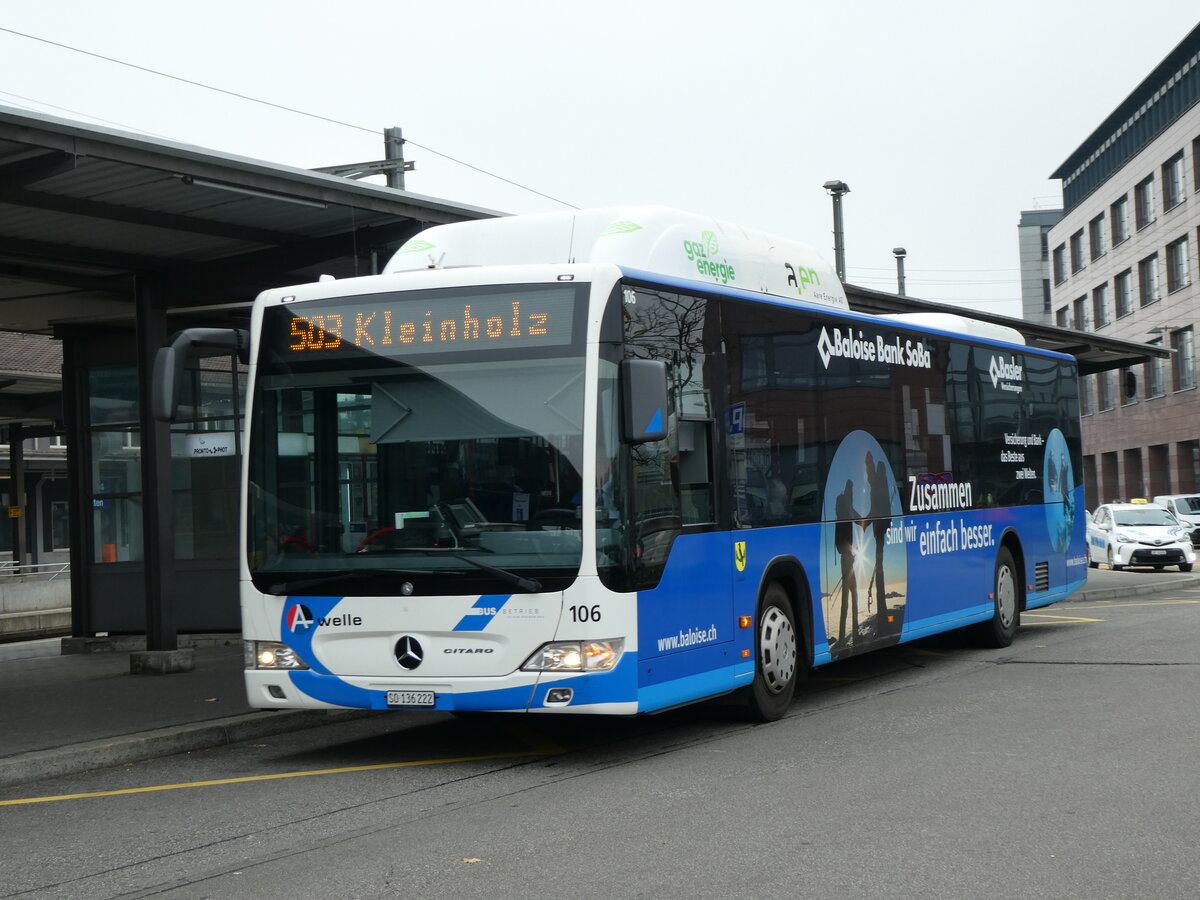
[{"x": 429, "y": 322}]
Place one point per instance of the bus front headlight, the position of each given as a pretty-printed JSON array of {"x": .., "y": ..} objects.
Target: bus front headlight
[
  {"x": 576, "y": 656},
  {"x": 271, "y": 655}
]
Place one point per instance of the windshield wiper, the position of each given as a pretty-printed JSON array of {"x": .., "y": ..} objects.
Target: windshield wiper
[
  {"x": 301, "y": 584},
  {"x": 526, "y": 584}
]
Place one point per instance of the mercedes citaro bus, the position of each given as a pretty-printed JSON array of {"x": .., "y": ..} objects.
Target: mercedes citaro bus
[{"x": 619, "y": 460}]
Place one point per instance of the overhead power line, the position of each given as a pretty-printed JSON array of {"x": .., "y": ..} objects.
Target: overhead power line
[
  {"x": 76, "y": 112},
  {"x": 890, "y": 268},
  {"x": 279, "y": 106}
]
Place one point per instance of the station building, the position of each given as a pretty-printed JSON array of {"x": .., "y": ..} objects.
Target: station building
[
  {"x": 110, "y": 242},
  {"x": 1123, "y": 261}
]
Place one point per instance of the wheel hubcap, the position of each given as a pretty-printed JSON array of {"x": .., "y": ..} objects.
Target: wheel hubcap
[
  {"x": 776, "y": 649},
  {"x": 1006, "y": 596}
]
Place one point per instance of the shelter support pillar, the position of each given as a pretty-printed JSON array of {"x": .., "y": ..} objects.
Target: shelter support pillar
[
  {"x": 162, "y": 654},
  {"x": 16, "y": 502}
]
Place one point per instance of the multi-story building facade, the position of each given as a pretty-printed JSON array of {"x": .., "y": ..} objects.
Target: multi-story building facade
[
  {"x": 1033, "y": 241},
  {"x": 1123, "y": 263}
]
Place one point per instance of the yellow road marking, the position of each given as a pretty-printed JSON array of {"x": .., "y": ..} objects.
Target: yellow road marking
[
  {"x": 1035, "y": 615},
  {"x": 275, "y": 777},
  {"x": 1167, "y": 601},
  {"x": 539, "y": 744}
]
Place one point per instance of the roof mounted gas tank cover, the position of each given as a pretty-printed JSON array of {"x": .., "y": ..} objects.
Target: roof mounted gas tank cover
[
  {"x": 644, "y": 238},
  {"x": 953, "y": 322}
]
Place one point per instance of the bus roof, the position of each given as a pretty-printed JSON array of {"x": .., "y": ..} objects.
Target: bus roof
[
  {"x": 958, "y": 324},
  {"x": 649, "y": 238}
]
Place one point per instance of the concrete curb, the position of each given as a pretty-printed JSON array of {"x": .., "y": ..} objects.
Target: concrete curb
[
  {"x": 1133, "y": 590},
  {"x": 118, "y": 751},
  {"x": 31, "y": 625}
]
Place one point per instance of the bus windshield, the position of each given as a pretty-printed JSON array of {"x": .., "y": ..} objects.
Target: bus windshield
[{"x": 377, "y": 473}]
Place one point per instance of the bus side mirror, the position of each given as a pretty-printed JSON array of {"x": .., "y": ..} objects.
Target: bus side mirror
[
  {"x": 643, "y": 400},
  {"x": 184, "y": 346}
]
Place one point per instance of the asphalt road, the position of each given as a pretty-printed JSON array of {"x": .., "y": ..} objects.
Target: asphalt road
[{"x": 1061, "y": 767}]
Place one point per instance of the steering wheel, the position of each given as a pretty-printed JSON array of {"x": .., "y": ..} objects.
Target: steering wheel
[
  {"x": 374, "y": 534},
  {"x": 555, "y": 518}
]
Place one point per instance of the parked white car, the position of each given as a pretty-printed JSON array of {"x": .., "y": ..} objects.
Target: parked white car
[
  {"x": 1187, "y": 509},
  {"x": 1139, "y": 534}
]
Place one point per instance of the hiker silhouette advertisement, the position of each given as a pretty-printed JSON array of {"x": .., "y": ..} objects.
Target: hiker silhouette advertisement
[{"x": 864, "y": 560}]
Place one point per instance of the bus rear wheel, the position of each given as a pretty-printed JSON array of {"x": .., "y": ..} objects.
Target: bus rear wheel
[
  {"x": 776, "y": 648},
  {"x": 1001, "y": 628}
]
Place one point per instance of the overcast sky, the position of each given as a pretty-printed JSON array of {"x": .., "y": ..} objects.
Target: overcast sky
[{"x": 945, "y": 118}]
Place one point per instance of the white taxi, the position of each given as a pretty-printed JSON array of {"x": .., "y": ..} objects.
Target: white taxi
[{"x": 1139, "y": 534}]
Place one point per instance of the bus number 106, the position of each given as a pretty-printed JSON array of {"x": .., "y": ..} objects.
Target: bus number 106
[{"x": 584, "y": 613}]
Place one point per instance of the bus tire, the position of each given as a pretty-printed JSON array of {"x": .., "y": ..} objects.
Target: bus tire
[
  {"x": 1001, "y": 628},
  {"x": 776, "y": 656}
]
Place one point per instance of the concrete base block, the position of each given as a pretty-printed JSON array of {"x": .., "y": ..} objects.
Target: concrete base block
[
  {"x": 74, "y": 645},
  {"x": 161, "y": 662}
]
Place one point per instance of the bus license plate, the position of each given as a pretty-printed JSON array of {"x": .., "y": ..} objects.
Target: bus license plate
[{"x": 410, "y": 698}]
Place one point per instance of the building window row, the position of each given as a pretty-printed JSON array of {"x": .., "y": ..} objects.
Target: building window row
[
  {"x": 1101, "y": 392},
  {"x": 1105, "y": 231},
  {"x": 1179, "y": 265}
]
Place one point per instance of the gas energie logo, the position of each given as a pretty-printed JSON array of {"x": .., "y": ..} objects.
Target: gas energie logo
[{"x": 704, "y": 252}]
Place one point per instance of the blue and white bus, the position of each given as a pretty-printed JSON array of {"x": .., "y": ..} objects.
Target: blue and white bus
[{"x": 616, "y": 461}]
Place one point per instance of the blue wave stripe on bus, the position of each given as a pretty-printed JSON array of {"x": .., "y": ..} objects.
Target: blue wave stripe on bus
[
  {"x": 617, "y": 686},
  {"x": 489, "y": 605},
  {"x": 918, "y": 628},
  {"x": 330, "y": 689},
  {"x": 694, "y": 687},
  {"x": 1039, "y": 600}
]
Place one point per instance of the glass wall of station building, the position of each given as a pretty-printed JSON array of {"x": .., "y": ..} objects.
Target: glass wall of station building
[
  {"x": 46, "y": 512},
  {"x": 205, "y": 467}
]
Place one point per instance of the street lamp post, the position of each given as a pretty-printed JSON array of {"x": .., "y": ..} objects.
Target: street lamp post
[
  {"x": 836, "y": 190},
  {"x": 900, "y": 253}
]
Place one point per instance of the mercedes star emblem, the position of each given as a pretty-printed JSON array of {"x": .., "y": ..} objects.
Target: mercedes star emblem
[{"x": 408, "y": 652}]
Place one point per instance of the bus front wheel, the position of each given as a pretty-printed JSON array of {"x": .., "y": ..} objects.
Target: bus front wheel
[
  {"x": 1001, "y": 628},
  {"x": 776, "y": 648}
]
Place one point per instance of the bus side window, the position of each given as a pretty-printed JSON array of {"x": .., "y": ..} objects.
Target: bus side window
[{"x": 695, "y": 471}]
